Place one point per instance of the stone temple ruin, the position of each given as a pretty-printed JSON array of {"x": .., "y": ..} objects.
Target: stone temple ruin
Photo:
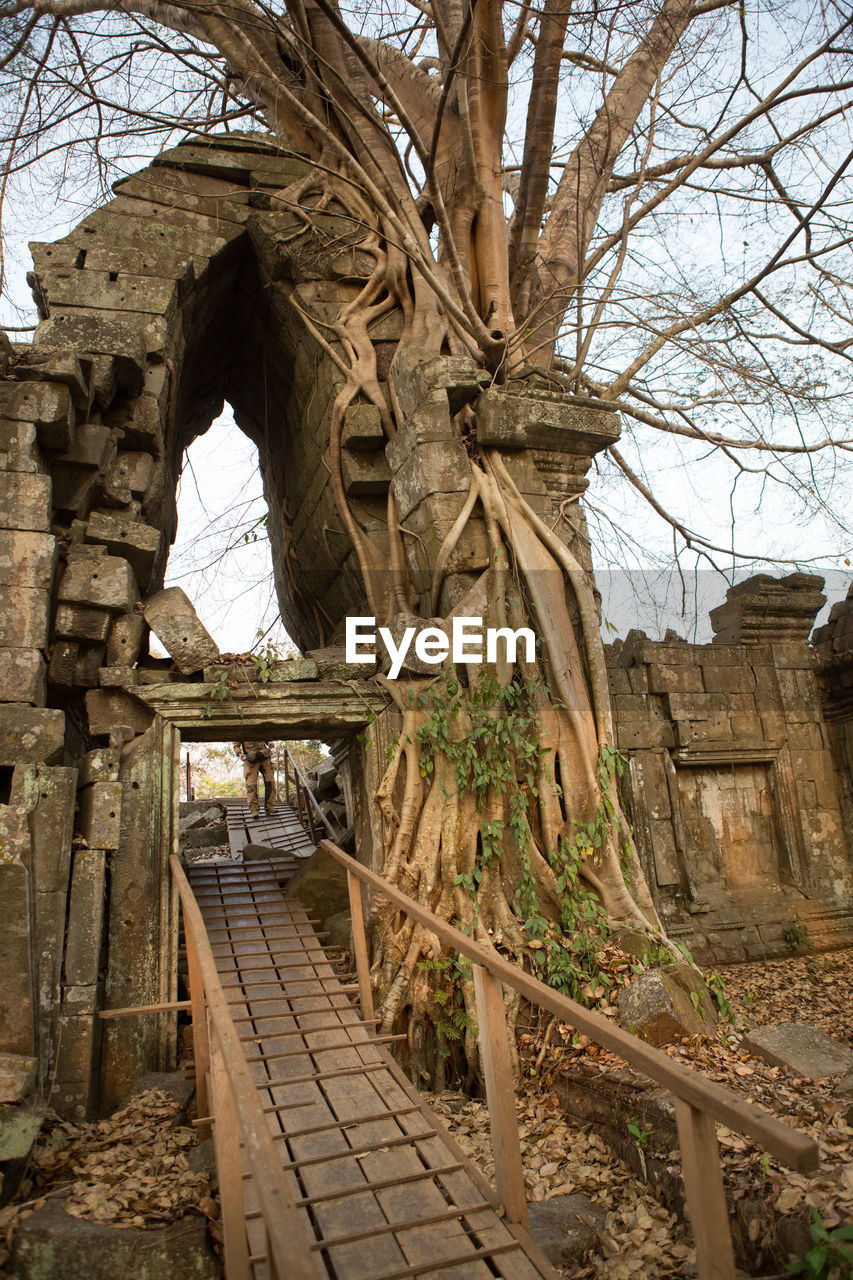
[{"x": 189, "y": 287}]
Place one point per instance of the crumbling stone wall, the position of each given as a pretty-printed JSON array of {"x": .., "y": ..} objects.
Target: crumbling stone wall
[{"x": 736, "y": 794}]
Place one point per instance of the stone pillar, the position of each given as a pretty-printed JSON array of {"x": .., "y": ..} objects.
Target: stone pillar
[
  {"x": 765, "y": 610},
  {"x": 142, "y": 913}
]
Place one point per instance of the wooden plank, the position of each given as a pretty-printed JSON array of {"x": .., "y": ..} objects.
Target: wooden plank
[
  {"x": 229, "y": 1172},
  {"x": 705, "y": 1194},
  {"x": 500, "y": 1094}
]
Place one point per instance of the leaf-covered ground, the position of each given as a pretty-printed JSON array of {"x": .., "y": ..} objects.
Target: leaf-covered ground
[
  {"x": 133, "y": 1170},
  {"x": 640, "y": 1236}
]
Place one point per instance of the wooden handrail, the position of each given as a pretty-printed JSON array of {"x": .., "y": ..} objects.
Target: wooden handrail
[
  {"x": 794, "y": 1149},
  {"x": 698, "y": 1102},
  {"x": 300, "y": 781},
  {"x": 238, "y": 1112}
]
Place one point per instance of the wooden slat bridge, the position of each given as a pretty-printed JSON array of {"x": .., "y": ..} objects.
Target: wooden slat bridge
[{"x": 329, "y": 1162}]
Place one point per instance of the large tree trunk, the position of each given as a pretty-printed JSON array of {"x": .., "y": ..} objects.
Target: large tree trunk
[{"x": 500, "y": 809}]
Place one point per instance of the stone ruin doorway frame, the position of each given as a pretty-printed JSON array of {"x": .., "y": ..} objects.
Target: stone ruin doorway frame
[{"x": 329, "y": 710}]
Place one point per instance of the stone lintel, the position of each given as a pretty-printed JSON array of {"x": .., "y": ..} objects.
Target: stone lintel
[
  {"x": 305, "y": 709},
  {"x": 507, "y": 420}
]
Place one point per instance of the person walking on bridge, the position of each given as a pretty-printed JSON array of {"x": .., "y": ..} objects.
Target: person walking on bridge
[{"x": 257, "y": 758}]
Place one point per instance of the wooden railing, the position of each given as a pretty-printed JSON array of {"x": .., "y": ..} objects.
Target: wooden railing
[
  {"x": 244, "y": 1144},
  {"x": 698, "y": 1102},
  {"x": 307, "y": 807}
]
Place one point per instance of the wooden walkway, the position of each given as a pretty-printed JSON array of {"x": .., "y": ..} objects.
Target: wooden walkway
[
  {"x": 281, "y": 831},
  {"x": 381, "y": 1189}
]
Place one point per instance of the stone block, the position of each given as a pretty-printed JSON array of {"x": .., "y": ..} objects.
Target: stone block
[
  {"x": 98, "y": 581},
  {"x": 139, "y": 420},
  {"x": 430, "y": 424},
  {"x": 566, "y": 1228},
  {"x": 17, "y": 1077},
  {"x": 85, "y": 916},
  {"x": 63, "y": 367},
  {"x": 618, "y": 680},
  {"x": 125, "y": 639},
  {"x": 23, "y": 676},
  {"x": 511, "y": 421},
  {"x": 19, "y": 450},
  {"x": 99, "y": 818},
  {"x": 109, "y": 708},
  {"x": 172, "y": 618},
  {"x": 763, "y": 610},
  {"x": 136, "y": 542},
  {"x": 87, "y": 668},
  {"x": 52, "y": 1243},
  {"x": 29, "y": 735},
  {"x": 93, "y": 448},
  {"x": 100, "y": 765},
  {"x": 25, "y": 502},
  {"x": 417, "y": 375},
  {"x": 52, "y": 828},
  {"x": 739, "y": 679},
  {"x": 658, "y": 1008},
  {"x": 108, "y": 291},
  {"x": 47, "y": 405},
  {"x": 24, "y": 617},
  {"x": 803, "y": 1049},
  {"x": 643, "y": 733},
  {"x": 74, "y": 490},
  {"x": 26, "y": 559},
  {"x": 122, "y": 340},
  {"x": 438, "y": 468},
  {"x": 680, "y": 679},
  {"x": 63, "y": 663},
  {"x": 77, "y": 622},
  {"x": 365, "y": 474},
  {"x": 118, "y": 678},
  {"x": 17, "y": 994},
  {"x": 362, "y": 430},
  {"x": 19, "y": 1129},
  {"x": 75, "y": 1057},
  {"x": 332, "y": 665},
  {"x": 128, "y": 477},
  {"x": 321, "y": 885}
]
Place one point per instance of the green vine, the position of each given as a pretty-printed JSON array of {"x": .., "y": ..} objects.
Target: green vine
[
  {"x": 452, "y": 1023},
  {"x": 500, "y": 754}
]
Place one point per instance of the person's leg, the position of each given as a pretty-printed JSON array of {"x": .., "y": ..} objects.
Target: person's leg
[
  {"x": 250, "y": 773},
  {"x": 269, "y": 785}
]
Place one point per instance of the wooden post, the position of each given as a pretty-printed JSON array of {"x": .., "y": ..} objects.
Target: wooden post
[
  {"x": 359, "y": 944},
  {"x": 297, "y": 786},
  {"x": 705, "y": 1195},
  {"x": 286, "y": 777},
  {"x": 309, "y": 808},
  {"x": 230, "y": 1173},
  {"x": 201, "y": 1043},
  {"x": 500, "y": 1094}
]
